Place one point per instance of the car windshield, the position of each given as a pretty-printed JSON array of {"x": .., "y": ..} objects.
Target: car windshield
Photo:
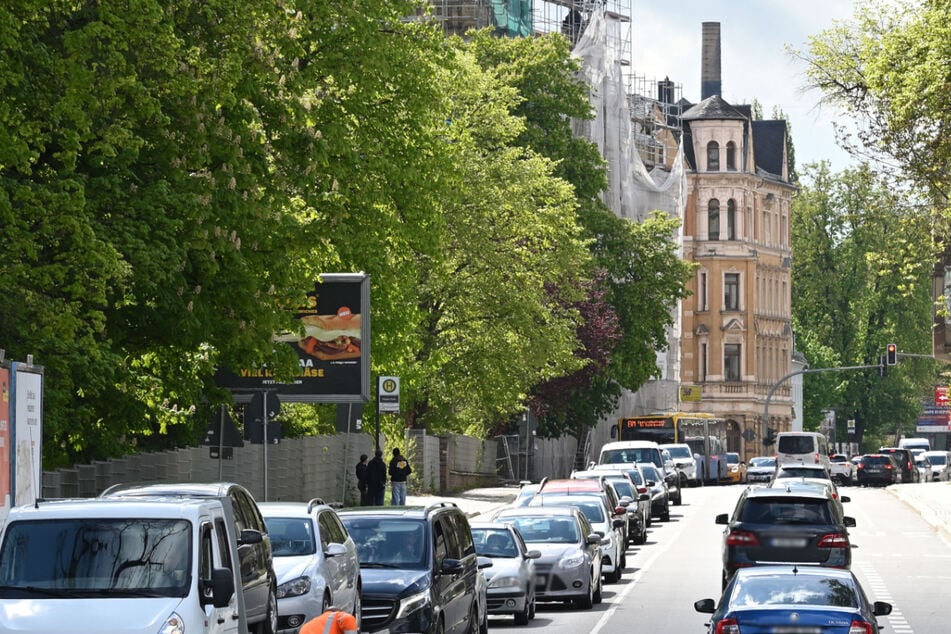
[
  {"x": 791, "y": 589},
  {"x": 937, "y": 459},
  {"x": 733, "y": 458},
  {"x": 97, "y": 557},
  {"x": 802, "y": 472},
  {"x": 291, "y": 536},
  {"x": 494, "y": 542},
  {"x": 550, "y": 530},
  {"x": 762, "y": 462},
  {"x": 390, "y": 543},
  {"x": 679, "y": 452},
  {"x": 785, "y": 511}
]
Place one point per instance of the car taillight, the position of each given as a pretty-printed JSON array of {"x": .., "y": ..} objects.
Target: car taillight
[
  {"x": 742, "y": 538},
  {"x": 909, "y": 466},
  {"x": 833, "y": 540},
  {"x": 730, "y": 626},
  {"x": 860, "y": 627},
  {"x": 642, "y": 489},
  {"x": 889, "y": 467},
  {"x": 860, "y": 466},
  {"x": 620, "y": 510}
]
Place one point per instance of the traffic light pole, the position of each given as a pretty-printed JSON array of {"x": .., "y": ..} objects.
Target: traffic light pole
[{"x": 776, "y": 385}]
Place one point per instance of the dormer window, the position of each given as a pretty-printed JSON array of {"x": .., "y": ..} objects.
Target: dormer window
[
  {"x": 713, "y": 219},
  {"x": 731, "y": 156},
  {"x": 713, "y": 156}
]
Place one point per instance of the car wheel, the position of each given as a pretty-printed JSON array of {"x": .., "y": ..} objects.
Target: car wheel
[
  {"x": 527, "y": 614},
  {"x": 648, "y": 521},
  {"x": 665, "y": 516},
  {"x": 596, "y": 598},
  {"x": 483, "y": 623},
  {"x": 472, "y": 627},
  {"x": 679, "y": 499},
  {"x": 358, "y": 608},
  {"x": 269, "y": 624},
  {"x": 642, "y": 535},
  {"x": 587, "y": 602}
]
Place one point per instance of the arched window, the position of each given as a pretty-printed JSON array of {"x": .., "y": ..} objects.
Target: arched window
[
  {"x": 731, "y": 156},
  {"x": 713, "y": 156},
  {"x": 713, "y": 219},
  {"x": 731, "y": 219}
]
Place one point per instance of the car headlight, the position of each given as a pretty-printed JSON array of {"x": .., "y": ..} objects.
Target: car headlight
[
  {"x": 173, "y": 625},
  {"x": 505, "y": 582},
  {"x": 413, "y": 603},
  {"x": 571, "y": 561},
  {"x": 294, "y": 588}
]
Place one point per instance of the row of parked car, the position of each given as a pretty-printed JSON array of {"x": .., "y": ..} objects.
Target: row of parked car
[{"x": 787, "y": 553}]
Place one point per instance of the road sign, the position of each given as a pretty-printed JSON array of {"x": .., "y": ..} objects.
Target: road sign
[
  {"x": 850, "y": 425},
  {"x": 941, "y": 396},
  {"x": 748, "y": 435},
  {"x": 388, "y": 394},
  {"x": 690, "y": 393}
]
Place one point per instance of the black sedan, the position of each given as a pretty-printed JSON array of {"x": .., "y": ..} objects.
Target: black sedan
[{"x": 790, "y": 598}]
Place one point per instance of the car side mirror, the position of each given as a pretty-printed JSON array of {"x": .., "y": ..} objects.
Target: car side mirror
[
  {"x": 533, "y": 554},
  {"x": 644, "y": 497},
  {"x": 483, "y": 562},
  {"x": 845, "y": 498},
  {"x": 250, "y": 536},
  {"x": 335, "y": 549},
  {"x": 593, "y": 538},
  {"x": 723, "y": 518},
  {"x": 651, "y": 483},
  {"x": 451, "y": 566},
  {"x": 849, "y": 521},
  {"x": 880, "y": 608},
  {"x": 619, "y": 523},
  {"x": 707, "y": 606},
  {"x": 222, "y": 588}
]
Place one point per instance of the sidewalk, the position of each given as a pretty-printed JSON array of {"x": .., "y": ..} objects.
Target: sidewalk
[
  {"x": 481, "y": 503},
  {"x": 932, "y": 500}
]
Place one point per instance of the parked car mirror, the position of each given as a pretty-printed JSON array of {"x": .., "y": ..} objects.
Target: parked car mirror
[
  {"x": 849, "y": 521},
  {"x": 484, "y": 562},
  {"x": 707, "y": 606},
  {"x": 533, "y": 554},
  {"x": 845, "y": 498},
  {"x": 451, "y": 566},
  {"x": 222, "y": 588},
  {"x": 880, "y": 608},
  {"x": 723, "y": 518},
  {"x": 250, "y": 536},
  {"x": 644, "y": 497},
  {"x": 593, "y": 538},
  {"x": 619, "y": 523},
  {"x": 335, "y": 550}
]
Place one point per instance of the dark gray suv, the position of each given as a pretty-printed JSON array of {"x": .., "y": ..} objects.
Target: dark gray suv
[
  {"x": 419, "y": 568},
  {"x": 785, "y": 525}
]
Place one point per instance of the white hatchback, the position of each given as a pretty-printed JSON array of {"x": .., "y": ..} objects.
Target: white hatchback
[{"x": 315, "y": 560}]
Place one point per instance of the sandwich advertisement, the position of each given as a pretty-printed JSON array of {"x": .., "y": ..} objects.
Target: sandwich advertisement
[{"x": 332, "y": 344}]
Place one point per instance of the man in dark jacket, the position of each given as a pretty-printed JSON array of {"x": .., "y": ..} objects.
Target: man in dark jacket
[
  {"x": 362, "y": 480},
  {"x": 399, "y": 471},
  {"x": 376, "y": 479}
]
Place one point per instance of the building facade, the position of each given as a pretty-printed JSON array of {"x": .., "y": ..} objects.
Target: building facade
[{"x": 736, "y": 340}]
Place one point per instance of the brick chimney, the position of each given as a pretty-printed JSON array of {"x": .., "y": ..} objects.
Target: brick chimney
[{"x": 710, "y": 61}]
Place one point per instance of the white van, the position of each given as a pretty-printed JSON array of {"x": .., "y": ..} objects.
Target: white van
[
  {"x": 802, "y": 447},
  {"x": 121, "y": 565},
  {"x": 916, "y": 445}
]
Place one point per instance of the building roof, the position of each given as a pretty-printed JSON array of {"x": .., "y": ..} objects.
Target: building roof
[{"x": 713, "y": 108}]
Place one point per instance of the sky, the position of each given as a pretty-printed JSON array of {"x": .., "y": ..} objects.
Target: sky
[{"x": 666, "y": 41}]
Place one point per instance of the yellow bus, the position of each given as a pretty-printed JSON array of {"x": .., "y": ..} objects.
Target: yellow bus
[{"x": 704, "y": 433}]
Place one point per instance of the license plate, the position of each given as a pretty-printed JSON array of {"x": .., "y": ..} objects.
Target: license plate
[
  {"x": 788, "y": 542},
  {"x": 792, "y": 629}
]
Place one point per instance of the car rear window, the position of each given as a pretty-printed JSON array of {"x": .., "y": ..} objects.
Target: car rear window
[
  {"x": 937, "y": 459},
  {"x": 786, "y": 511},
  {"x": 787, "y": 589},
  {"x": 876, "y": 460},
  {"x": 802, "y": 472},
  {"x": 796, "y": 444}
]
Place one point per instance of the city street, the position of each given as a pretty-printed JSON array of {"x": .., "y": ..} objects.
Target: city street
[{"x": 898, "y": 556}]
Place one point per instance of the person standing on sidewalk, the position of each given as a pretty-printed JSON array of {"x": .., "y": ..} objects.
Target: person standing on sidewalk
[
  {"x": 399, "y": 471},
  {"x": 362, "y": 480},
  {"x": 376, "y": 479}
]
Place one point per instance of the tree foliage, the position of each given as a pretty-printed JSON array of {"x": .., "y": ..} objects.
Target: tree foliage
[{"x": 861, "y": 280}]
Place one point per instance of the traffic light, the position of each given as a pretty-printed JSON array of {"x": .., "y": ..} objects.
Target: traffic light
[
  {"x": 882, "y": 367},
  {"x": 891, "y": 354},
  {"x": 770, "y": 437}
]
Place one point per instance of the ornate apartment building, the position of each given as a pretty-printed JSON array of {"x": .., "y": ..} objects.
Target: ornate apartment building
[{"x": 736, "y": 339}]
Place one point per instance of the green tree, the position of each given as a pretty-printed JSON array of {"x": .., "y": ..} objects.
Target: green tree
[{"x": 855, "y": 289}]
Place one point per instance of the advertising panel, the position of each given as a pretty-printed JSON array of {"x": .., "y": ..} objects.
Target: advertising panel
[
  {"x": 5, "y": 443},
  {"x": 332, "y": 345},
  {"x": 27, "y": 381}
]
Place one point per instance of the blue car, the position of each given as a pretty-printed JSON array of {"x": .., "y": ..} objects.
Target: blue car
[{"x": 791, "y": 598}]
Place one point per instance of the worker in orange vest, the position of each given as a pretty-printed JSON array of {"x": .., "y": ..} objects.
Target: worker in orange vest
[{"x": 333, "y": 621}]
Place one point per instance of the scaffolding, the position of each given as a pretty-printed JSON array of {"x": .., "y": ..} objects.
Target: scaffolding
[
  {"x": 571, "y": 17},
  {"x": 509, "y": 18},
  {"x": 657, "y": 128}
]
